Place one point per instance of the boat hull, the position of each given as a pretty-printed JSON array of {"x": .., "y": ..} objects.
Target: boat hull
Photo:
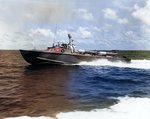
[{"x": 38, "y": 57}]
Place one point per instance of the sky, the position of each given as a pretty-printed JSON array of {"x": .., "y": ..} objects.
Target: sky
[{"x": 93, "y": 24}]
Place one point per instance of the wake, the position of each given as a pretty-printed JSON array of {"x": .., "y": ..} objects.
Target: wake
[
  {"x": 139, "y": 64},
  {"x": 126, "y": 108}
]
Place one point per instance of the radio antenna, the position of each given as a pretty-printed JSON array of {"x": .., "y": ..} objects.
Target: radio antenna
[{"x": 55, "y": 32}]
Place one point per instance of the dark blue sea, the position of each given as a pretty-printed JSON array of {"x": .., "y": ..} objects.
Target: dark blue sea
[{"x": 93, "y": 90}]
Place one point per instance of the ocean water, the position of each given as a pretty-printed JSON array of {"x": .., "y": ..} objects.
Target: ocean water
[{"x": 93, "y": 90}]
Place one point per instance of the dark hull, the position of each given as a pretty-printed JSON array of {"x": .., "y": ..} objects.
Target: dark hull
[{"x": 38, "y": 57}]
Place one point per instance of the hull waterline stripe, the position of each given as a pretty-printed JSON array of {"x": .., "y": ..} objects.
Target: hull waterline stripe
[{"x": 51, "y": 60}]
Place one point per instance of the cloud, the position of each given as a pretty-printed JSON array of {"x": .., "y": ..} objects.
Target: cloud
[
  {"x": 97, "y": 29},
  {"x": 32, "y": 19},
  {"x": 123, "y": 21},
  {"x": 126, "y": 5},
  {"x": 84, "y": 14},
  {"x": 84, "y": 33},
  {"x": 28, "y": 16},
  {"x": 39, "y": 38},
  {"x": 107, "y": 27},
  {"x": 23, "y": 22},
  {"x": 49, "y": 12},
  {"x": 44, "y": 32},
  {"x": 142, "y": 13},
  {"x": 145, "y": 29},
  {"x": 23, "y": 15},
  {"x": 81, "y": 34},
  {"x": 129, "y": 33},
  {"x": 110, "y": 14}
]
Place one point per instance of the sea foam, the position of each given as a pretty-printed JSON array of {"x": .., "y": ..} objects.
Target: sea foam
[
  {"x": 140, "y": 64},
  {"x": 126, "y": 108}
]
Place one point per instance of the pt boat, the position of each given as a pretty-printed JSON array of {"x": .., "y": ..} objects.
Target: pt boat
[{"x": 68, "y": 54}]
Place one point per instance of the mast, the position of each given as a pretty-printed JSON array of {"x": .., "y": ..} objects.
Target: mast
[
  {"x": 69, "y": 36},
  {"x": 55, "y": 32}
]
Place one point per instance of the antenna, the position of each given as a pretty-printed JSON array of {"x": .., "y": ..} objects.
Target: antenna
[{"x": 55, "y": 32}]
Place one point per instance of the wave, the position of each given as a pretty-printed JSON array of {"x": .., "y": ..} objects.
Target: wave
[
  {"x": 126, "y": 108},
  {"x": 140, "y": 64}
]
